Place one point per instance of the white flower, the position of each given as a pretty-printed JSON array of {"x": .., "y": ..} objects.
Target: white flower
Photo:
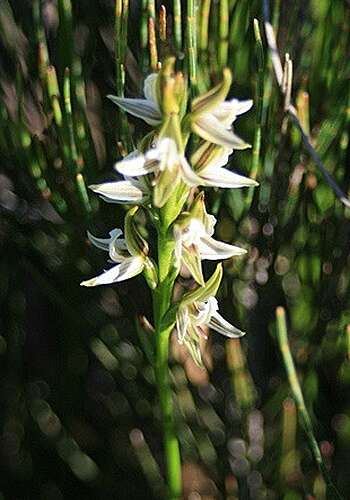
[
  {"x": 212, "y": 116},
  {"x": 169, "y": 167},
  {"x": 128, "y": 265},
  {"x": 148, "y": 109},
  {"x": 166, "y": 164},
  {"x": 193, "y": 319},
  {"x": 210, "y": 170},
  {"x": 194, "y": 242}
]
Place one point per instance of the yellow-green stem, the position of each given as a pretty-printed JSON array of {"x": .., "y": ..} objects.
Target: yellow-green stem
[{"x": 161, "y": 302}]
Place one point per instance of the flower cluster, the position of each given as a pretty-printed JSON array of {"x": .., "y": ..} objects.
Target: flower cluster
[{"x": 163, "y": 178}]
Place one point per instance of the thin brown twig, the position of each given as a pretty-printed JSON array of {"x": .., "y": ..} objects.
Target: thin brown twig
[{"x": 290, "y": 108}]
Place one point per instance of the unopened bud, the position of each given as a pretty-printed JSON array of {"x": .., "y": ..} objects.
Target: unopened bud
[{"x": 197, "y": 210}]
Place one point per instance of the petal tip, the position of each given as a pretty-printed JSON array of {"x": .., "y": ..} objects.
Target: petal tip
[{"x": 88, "y": 283}]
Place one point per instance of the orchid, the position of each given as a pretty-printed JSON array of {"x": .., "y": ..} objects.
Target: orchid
[
  {"x": 212, "y": 117},
  {"x": 169, "y": 167},
  {"x": 208, "y": 162},
  {"x": 194, "y": 243},
  {"x": 160, "y": 183},
  {"x": 216, "y": 126},
  {"x": 128, "y": 265},
  {"x": 192, "y": 321},
  {"x": 166, "y": 164}
]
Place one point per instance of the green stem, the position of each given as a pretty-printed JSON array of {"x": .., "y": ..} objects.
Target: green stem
[
  {"x": 298, "y": 397},
  {"x": 177, "y": 25},
  {"x": 259, "y": 112},
  {"x": 161, "y": 302},
  {"x": 223, "y": 34},
  {"x": 192, "y": 46},
  {"x": 171, "y": 444}
]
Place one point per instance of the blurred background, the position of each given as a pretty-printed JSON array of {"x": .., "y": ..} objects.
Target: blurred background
[{"x": 79, "y": 414}]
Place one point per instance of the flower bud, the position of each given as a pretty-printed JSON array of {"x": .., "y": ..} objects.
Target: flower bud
[
  {"x": 172, "y": 89},
  {"x": 197, "y": 210}
]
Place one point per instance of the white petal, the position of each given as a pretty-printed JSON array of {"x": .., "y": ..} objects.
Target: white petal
[
  {"x": 141, "y": 108},
  {"x": 119, "y": 191},
  {"x": 182, "y": 322},
  {"x": 103, "y": 243},
  {"x": 211, "y": 249},
  {"x": 165, "y": 153},
  {"x": 209, "y": 222},
  {"x": 189, "y": 175},
  {"x": 134, "y": 167},
  {"x": 118, "y": 250},
  {"x": 204, "y": 312},
  {"x": 227, "y": 111},
  {"x": 150, "y": 89},
  {"x": 221, "y": 177},
  {"x": 220, "y": 325},
  {"x": 220, "y": 159},
  {"x": 127, "y": 269},
  {"x": 211, "y": 129},
  {"x": 242, "y": 106},
  {"x": 178, "y": 244}
]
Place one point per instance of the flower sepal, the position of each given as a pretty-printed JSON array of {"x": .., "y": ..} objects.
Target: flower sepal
[
  {"x": 203, "y": 293},
  {"x": 137, "y": 245}
]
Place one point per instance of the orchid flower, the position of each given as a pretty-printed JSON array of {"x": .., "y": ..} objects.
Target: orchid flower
[
  {"x": 128, "y": 265},
  {"x": 193, "y": 240},
  {"x": 216, "y": 125},
  {"x": 192, "y": 321},
  {"x": 208, "y": 162},
  {"x": 169, "y": 167},
  {"x": 212, "y": 117},
  {"x": 166, "y": 164}
]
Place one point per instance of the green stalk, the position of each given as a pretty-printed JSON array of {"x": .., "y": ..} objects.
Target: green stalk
[
  {"x": 65, "y": 33},
  {"x": 259, "y": 112},
  {"x": 144, "y": 36},
  {"x": 177, "y": 25},
  {"x": 161, "y": 303},
  {"x": 223, "y": 34},
  {"x": 204, "y": 26},
  {"x": 53, "y": 92},
  {"x": 119, "y": 68},
  {"x": 73, "y": 153},
  {"x": 298, "y": 397},
  {"x": 152, "y": 9},
  {"x": 192, "y": 46},
  {"x": 120, "y": 47}
]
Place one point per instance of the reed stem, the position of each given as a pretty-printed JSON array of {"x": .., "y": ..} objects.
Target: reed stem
[{"x": 298, "y": 397}]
